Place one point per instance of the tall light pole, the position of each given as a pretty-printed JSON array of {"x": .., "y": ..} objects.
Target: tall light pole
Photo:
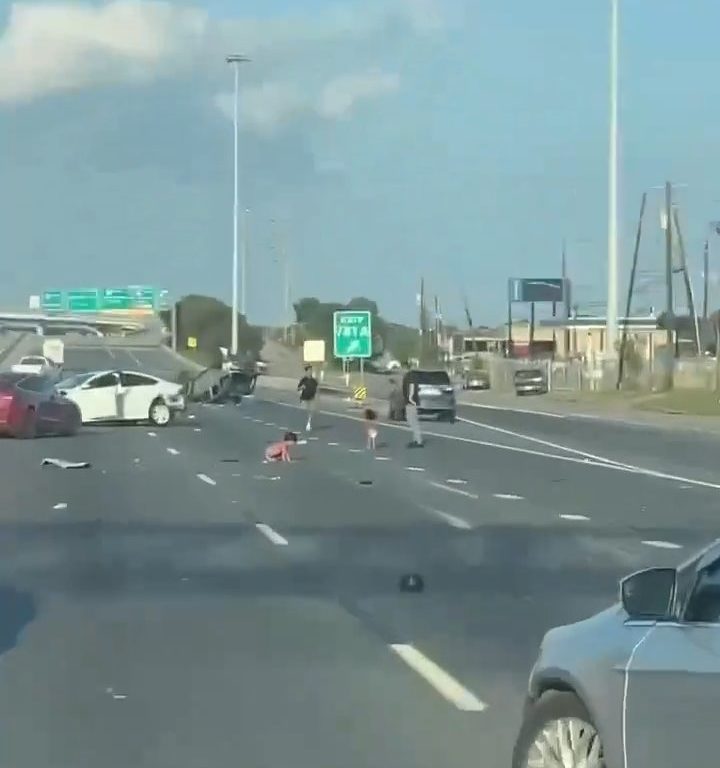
[
  {"x": 612, "y": 288},
  {"x": 243, "y": 264},
  {"x": 235, "y": 60}
]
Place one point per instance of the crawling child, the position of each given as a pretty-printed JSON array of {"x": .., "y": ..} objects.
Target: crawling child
[{"x": 280, "y": 451}]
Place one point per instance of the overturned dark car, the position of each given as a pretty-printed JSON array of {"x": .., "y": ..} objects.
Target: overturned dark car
[{"x": 231, "y": 387}]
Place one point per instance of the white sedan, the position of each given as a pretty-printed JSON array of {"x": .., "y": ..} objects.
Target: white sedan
[
  {"x": 33, "y": 365},
  {"x": 123, "y": 396}
]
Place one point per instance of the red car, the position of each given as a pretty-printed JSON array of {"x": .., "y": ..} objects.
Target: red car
[{"x": 30, "y": 407}]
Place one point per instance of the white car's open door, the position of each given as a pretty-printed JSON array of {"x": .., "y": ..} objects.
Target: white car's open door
[{"x": 98, "y": 397}]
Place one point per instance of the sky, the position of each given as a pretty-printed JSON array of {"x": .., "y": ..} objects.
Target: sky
[{"x": 381, "y": 141}]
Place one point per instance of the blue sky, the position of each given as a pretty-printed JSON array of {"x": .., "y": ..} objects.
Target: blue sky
[{"x": 458, "y": 140}]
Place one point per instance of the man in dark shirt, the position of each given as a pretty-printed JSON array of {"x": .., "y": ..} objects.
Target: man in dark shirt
[
  {"x": 412, "y": 400},
  {"x": 307, "y": 387}
]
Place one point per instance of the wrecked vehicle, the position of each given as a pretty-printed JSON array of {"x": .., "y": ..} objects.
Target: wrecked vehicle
[{"x": 231, "y": 387}]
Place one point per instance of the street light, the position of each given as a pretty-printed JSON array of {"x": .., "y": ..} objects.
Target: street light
[
  {"x": 236, "y": 60},
  {"x": 611, "y": 317}
]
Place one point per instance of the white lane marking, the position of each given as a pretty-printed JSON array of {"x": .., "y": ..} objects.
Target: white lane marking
[
  {"x": 191, "y": 416},
  {"x": 540, "y": 441},
  {"x": 459, "y": 491},
  {"x": 258, "y": 421},
  {"x": 197, "y": 429},
  {"x": 382, "y": 458},
  {"x": 444, "y": 683},
  {"x": 271, "y": 534},
  {"x": 172, "y": 451},
  {"x": 415, "y": 469},
  {"x": 205, "y": 478},
  {"x": 313, "y": 438},
  {"x": 266, "y": 477},
  {"x": 549, "y": 414},
  {"x": 453, "y": 520},
  {"x": 456, "y": 481},
  {"x": 355, "y": 450},
  {"x": 574, "y": 517},
  {"x": 586, "y": 462},
  {"x": 508, "y": 496},
  {"x": 136, "y": 460},
  {"x": 663, "y": 544},
  {"x": 301, "y": 442},
  {"x": 269, "y": 424},
  {"x": 152, "y": 434},
  {"x": 333, "y": 443},
  {"x": 60, "y": 505}
]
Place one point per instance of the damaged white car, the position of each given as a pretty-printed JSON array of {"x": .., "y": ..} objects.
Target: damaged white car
[{"x": 123, "y": 396}]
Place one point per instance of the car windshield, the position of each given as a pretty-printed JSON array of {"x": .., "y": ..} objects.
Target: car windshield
[
  {"x": 532, "y": 373},
  {"x": 76, "y": 380}
]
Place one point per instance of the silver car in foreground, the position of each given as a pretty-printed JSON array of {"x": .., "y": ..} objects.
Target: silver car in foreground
[{"x": 635, "y": 686}]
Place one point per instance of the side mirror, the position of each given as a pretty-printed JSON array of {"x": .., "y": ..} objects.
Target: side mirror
[{"x": 649, "y": 594}]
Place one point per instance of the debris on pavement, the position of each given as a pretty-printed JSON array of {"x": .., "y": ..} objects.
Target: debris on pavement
[{"x": 412, "y": 582}]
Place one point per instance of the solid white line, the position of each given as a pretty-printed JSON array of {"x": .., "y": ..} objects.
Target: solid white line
[
  {"x": 601, "y": 463},
  {"x": 509, "y": 496},
  {"x": 574, "y": 517},
  {"x": 444, "y": 683},
  {"x": 206, "y": 479},
  {"x": 549, "y": 414},
  {"x": 663, "y": 544},
  {"x": 173, "y": 451},
  {"x": 455, "y": 522},
  {"x": 271, "y": 535},
  {"x": 539, "y": 441},
  {"x": 459, "y": 491}
]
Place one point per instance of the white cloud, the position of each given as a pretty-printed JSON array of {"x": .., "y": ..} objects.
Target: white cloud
[
  {"x": 51, "y": 47},
  {"x": 342, "y": 93}
]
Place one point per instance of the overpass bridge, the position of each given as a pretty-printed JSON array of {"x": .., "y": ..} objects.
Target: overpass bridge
[{"x": 88, "y": 324}]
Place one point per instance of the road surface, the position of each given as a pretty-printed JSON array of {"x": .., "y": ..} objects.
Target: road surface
[{"x": 182, "y": 604}]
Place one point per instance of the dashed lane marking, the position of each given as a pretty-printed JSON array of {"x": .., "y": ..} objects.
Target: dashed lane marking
[
  {"x": 508, "y": 496},
  {"x": 458, "y": 491},
  {"x": 443, "y": 682},
  {"x": 152, "y": 434},
  {"x": 662, "y": 544},
  {"x": 415, "y": 469},
  {"x": 575, "y": 517},
  {"x": 205, "y": 478},
  {"x": 271, "y": 535},
  {"x": 173, "y": 451},
  {"x": 453, "y": 520},
  {"x": 60, "y": 505}
]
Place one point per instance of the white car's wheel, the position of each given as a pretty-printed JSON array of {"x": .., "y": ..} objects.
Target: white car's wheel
[{"x": 159, "y": 413}]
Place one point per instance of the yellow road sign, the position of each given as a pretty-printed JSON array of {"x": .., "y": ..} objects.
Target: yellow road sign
[
  {"x": 192, "y": 342},
  {"x": 360, "y": 393}
]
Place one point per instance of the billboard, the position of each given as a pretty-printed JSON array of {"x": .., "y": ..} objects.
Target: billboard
[{"x": 538, "y": 289}]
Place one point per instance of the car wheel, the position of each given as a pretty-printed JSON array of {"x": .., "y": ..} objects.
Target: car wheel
[
  {"x": 75, "y": 423},
  {"x": 159, "y": 413},
  {"x": 451, "y": 417},
  {"x": 28, "y": 430},
  {"x": 558, "y": 730}
]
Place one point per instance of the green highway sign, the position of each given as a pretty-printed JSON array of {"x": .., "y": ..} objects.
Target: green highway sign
[
  {"x": 52, "y": 300},
  {"x": 115, "y": 298},
  {"x": 352, "y": 334},
  {"x": 134, "y": 297},
  {"x": 83, "y": 301}
]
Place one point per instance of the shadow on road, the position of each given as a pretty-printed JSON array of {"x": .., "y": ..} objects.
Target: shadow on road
[{"x": 17, "y": 609}]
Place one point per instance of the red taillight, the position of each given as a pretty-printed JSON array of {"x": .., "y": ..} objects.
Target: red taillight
[{"x": 6, "y": 401}]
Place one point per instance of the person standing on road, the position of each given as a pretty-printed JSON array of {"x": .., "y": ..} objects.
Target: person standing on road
[
  {"x": 412, "y": 400},
  {"x": 307, "y": 387}
]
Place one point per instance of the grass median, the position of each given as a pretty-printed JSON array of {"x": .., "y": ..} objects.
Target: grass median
[{"x": 686, "y": 402}]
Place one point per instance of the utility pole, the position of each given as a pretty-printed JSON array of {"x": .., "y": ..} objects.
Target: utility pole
[
  {"x": 243, "y": 265},
  {"x": 688, "y": 283},
  {"x": 422, "y": 320},
  {"x": 611, "y": 317},
  {"x": 669, "y": 310},
  {"x": 706, "y": 279}
]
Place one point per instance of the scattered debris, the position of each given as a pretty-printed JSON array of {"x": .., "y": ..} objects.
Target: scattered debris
[
  {"x": 136, "y": 460},
  {"x": 63, "y": 464},
  {"x": 412, "y": 582},
  {"x": 230, "y": 461},
  {"x": 365, "y": 482}
]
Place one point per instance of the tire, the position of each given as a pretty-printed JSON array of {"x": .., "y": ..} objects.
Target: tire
[
  {"x": 451, "y": 417},
  {"x": 75, "y": 424},
  {"x": 159, "y": 414},
  {"x": 28, "y": 429},
  {"x": 559, "y": 709}
]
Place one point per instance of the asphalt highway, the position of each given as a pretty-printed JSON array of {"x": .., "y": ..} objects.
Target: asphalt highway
[{"x": 180, "y": 603}]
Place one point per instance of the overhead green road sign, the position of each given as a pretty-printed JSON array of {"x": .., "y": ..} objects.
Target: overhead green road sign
[
  {"x": 83, "y": 301},
  {"x": 352, "y": 333},
  {"x": 144, "y": 297},
  {"x": 52, "y": 301},
  {"x": 115, "y": 298}
]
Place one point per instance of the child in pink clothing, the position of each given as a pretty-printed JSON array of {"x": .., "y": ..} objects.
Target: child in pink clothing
[{"x": 280, "y": 451}]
